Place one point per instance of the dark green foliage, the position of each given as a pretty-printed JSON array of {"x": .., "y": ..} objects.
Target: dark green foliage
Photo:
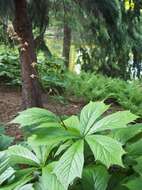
[
  {"x": 97, "y": 87},
  {"x": 9, "y": 66},
  {"x": 51, "y": 72},
  {"x": 50, "y": 69},
  {"x": 5, "y": 140}
]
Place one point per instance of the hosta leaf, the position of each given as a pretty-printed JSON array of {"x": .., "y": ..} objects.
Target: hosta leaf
[
  {"x": 89, "y": 114},
  {"x": 95, "y": 178},
  {"x": 70, "y": 164},
  {"x": 35, "y": 116},
  {"x": 125, "y": 134},
  {"x": 21, "y": 155},
  {"x": 134, "y": 184},
  {"x": 106, "y": 149},
  {"x": 114, "y": 121}
]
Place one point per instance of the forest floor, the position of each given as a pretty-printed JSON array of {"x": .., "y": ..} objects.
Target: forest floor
[{"x": 10, "y": 105}]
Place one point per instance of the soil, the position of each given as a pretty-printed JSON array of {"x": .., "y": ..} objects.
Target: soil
[{"x": 10, "y": 105}]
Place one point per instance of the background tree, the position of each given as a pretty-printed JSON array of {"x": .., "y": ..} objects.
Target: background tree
[{"x": 17, "y": 11}]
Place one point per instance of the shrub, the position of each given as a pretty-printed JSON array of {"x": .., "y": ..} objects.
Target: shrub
[
  {"x": 91, "y": 86},
  {"x": 86, "y": 152}
]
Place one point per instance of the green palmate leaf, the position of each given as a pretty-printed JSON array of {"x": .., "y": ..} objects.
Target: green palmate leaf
[
  {"x": 89, "y": 114},
  {"x": 22, "y": 155},
  {"x": 42, "y": 151},
  {"x": 134, "y": 184},
  {"x": 123, "y": 135},
  {"x": 35, "y": 116},
  {"x": 138, "y": 166},
  {"x": 52, "y": 136},
  {"x": 70, "y": 164},
  {"x": 95, "y": 178},
  {"x": 134, "y": 149},
  {"x": 106, "y": 149},
  {"x": 72, "y": 123},
  {"x": 113, "y": 121},
  {"x": 63, "y": 147},
  {"x": 49, "y": 180},
  {"x": 9, "y": 172}
]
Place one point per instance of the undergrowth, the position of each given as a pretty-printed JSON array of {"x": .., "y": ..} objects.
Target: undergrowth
[{"x": 90, "y": 86}]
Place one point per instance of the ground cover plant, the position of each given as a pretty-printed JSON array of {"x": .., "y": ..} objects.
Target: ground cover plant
[
  {"x": 9, "y": 66},
  {"x": 91, "y": 86},
  {"x": 91, "y": 151}
]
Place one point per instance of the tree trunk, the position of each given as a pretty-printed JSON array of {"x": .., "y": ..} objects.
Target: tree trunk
[
  {"x": 31, "y": 92},
  {"x": 66, "y": 43}
]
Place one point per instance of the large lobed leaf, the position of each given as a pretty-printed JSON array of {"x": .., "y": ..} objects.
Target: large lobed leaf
[
  {"x": 49, "y": 180},
  {"x": 95, "y": 178},
  {"x": 134, "y": 184},
  {"x": 70, "y": 165},
  {"x": 35, "y": 116},
  {"x": 114, "y": 121},
  {"x": 21, "y": 155},
  {"x": 126, "y": 134},
  {"x": 90, "y": 121},
  {"x": 106, "y": 149},
  {"x": 72, "y": 123},
  {"x": 89, "y": 114},
  {"x": 53, "y": 136},
  {"x": 134, "y": 149}
]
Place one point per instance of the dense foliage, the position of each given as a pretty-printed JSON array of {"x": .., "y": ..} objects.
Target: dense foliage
[
  {"x": 9, "y": 66},
  {"x": 97, "y": 87},
  {"x": 87, "y": 86},
  {"x": 86, "y": 152}
]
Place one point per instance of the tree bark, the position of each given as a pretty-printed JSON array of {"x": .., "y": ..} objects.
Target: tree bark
[
  {"x": 66, "y": 43},
  {"x": 31, "y": 91}
]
